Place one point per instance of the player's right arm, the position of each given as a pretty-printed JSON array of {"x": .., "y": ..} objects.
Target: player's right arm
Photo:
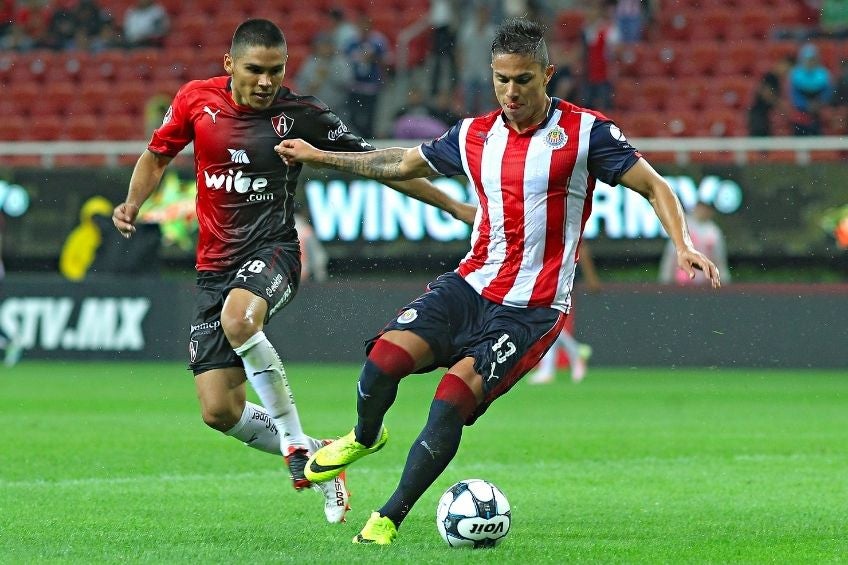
[
  {"x": 145, "y": 178},
  {"x": 394, "y": 163}
]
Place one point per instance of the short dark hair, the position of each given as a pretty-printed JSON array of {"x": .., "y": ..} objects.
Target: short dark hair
[
  {"x": 256, "y": 33},
  {"x": 521, "y": 37}
]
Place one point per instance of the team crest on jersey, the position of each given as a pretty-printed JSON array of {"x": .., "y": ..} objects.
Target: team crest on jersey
[
  {"x": 407, "y": 316},
  {"x": 282, "y": 124},
  {"x": 556, "y": 138}
]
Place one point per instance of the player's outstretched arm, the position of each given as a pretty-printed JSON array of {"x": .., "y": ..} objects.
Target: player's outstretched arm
[
  {"x": 394, "y": 163},
  {"x": 145, "y": 178},
  {"x": 642, "y": 178},
  {"x": 427, "y": 192}
]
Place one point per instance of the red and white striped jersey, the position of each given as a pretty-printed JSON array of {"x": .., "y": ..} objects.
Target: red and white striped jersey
[{"x": 535, "y": 192}]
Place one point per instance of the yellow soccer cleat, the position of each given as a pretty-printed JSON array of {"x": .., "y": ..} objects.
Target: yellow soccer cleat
[
  {"x": 378, "y": 529},
  {"x": 329, "y": 461}
]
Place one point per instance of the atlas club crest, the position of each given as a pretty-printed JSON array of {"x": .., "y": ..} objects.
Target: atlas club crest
[{"x": 282, "y": 124}]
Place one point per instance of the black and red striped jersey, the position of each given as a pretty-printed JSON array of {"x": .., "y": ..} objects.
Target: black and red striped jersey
[{"x": 245, "y": 192}]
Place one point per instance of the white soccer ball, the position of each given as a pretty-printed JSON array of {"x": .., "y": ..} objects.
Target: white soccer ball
[{"x": 473, "y": 513}]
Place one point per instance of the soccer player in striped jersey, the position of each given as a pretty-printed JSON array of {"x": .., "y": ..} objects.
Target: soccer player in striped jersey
[
  {"x": 248, "y": 256},
  {"x": 533, "y": 163}
]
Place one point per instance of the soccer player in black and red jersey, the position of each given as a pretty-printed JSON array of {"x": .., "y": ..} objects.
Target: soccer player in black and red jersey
[
  {"x": 248, "y": 257},
  {"x": 533, "y": 163}
]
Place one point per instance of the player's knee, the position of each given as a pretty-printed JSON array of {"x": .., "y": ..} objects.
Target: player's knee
[
  {"x": 391, "y": 360},
  {"x": 238, "y": 327},
  {"x": 219, "y": 417}
]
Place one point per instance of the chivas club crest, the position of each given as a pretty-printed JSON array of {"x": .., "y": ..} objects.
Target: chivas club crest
[
  {"x": 282, "y": 124},
  {"x": 556, "y": 138}
]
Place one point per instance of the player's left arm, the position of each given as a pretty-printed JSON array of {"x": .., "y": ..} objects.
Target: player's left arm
[
  {"x": 425, "y": 191},
  {"x": 642, "y": 178}
]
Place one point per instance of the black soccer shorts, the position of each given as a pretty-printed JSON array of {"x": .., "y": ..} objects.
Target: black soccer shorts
[
  {"x": 505, "y": 341},
  {"x": 272, "y": 274}
]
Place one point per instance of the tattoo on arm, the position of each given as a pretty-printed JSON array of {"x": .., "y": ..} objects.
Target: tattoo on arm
[{"x": 380, "y": 164}]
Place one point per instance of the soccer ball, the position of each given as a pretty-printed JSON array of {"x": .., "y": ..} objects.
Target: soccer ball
[{"x": 473, "y": 513}]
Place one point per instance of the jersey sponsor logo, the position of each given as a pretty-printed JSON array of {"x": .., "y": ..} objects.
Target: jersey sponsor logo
[
  {"x": 275, "y": 284},
  {"x": 211, "y": 113},
  {"x": 235, "y": 180},
  {"x": 407, "y": 316},
  {"x": 333, "y": 135},
  {"x": 556, "y": 138},
  {"x": 239, "y": 156},
  {"x": 192, "y": 349},
  {"x": 282, "y": 124},
  {"x": 205, "y": 327}
]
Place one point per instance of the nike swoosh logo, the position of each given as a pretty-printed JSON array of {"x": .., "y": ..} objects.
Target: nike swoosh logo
[{"x": 316, "y": 467}]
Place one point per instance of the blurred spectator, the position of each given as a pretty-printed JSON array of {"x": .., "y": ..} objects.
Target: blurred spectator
[
  {"x": 367, "y": 55},
  {"x": 416, "y": 119},
  {"x": 344, "y": 31},
  {"x": 109, "y": 37},
  {"x": 7, "y": 15},
  {"x": 840, "y": 90},
  {"x": 475, "y": 58},
  {"x": 564, "y": 83},
  {"x": 629, "y": 18},
  {"x": 63, "y": 25},
  {"x": 325, "y": 73},
  {"x": 810, "y": 88},
  {"x": 445, "y": 107},
  {"x": 707, "y": 238},
  {"x": 601, "y": 38},
  {"x": 145, "y": 24},
  {"x": 769, "y": 95},
  {"x": 30, "y": 29},
  {"x": 444, "y": 15},
  {"x": 313, "y": 256},
  {"x": 90, "y": 19}
]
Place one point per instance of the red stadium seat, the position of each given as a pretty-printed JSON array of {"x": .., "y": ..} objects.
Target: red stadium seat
[
  {"x": 733, "y": 91},
  {"x": 718, "y": 21},
  {"x": 656, "y": 92},
  {"x": 723, "y": 123},
  {"x": 80, "y": 128},
  {"x": 122, "y": 128},
  {"x": 741, "y": 58},
  {"x": 12, "y": 128},
  {"x": 569, "y": 25},
  {"x": 756, "y": 23},
  {"x": 44, "y": 128},
  {"x": 701, "y": 59}
]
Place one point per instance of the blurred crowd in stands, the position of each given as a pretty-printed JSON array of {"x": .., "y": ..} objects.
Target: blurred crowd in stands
[{"x": 658, "y": 67}]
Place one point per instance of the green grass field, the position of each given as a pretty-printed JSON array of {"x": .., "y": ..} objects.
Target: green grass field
[{"x": 108, "y": 462}]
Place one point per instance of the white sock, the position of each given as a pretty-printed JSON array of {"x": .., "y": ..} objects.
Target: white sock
[
  {"x": 256, "y": 429},
  {"x": 266, "y": 374},
  {"x": 547, "y": 366}
]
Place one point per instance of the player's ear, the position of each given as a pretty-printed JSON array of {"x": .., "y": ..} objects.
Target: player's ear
[{"x": 228, "y": 63}]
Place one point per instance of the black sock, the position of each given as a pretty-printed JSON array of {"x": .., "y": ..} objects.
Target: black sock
[
  {"x": 377, "y": 388},
  {"x": 434, "y": 448}
]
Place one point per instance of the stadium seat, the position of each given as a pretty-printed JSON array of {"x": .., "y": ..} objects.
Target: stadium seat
[
  {"x": 741, "y": 58},
  {"x": 44, "y": 128},
  {"x": 722, "y": 123},
  {"x": 700, "y": 60},
  {"x": 656, "y": 93},
  {"x": 12, "y": 128},
  {"x": 121, "y": 128},
  {"x": 755, "y": 22},
  {"x": 80, "y": 128},
  {"x": 569, "y": 25},
  {"x": 718, "y": 21},
  {"x": 734, "y": 91}
]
